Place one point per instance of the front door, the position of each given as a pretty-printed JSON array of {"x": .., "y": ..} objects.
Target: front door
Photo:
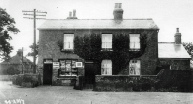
[
  {"x": 90, "y": 72},
  {"x": 47, "y": 74}
]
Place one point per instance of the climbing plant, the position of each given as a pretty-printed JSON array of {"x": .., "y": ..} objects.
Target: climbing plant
[{"x": 88, "y": 47}]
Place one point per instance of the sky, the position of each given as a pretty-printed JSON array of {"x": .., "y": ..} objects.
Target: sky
[{"x": 167, "y": 14}]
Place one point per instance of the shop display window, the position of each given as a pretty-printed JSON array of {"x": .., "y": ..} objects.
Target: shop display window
[{"x": 67, "y": 68}]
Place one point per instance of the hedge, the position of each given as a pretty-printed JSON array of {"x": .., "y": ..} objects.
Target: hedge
[{"x": 26, "y": 80}]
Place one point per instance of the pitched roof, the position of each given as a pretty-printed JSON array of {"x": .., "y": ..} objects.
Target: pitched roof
[
  {"x": 172, "y": 50},
  {"x": 98, "y": 24},
  {"x": 17, "y": 60}
]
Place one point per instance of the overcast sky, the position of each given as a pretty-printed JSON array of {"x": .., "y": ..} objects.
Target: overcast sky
[{"x": 167, "y": 14}]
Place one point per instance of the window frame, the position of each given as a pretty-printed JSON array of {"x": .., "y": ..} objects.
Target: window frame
[
  {"x": 134, "y": 49},
  {"x": 72, "y": 69},
  {"x": 109, "y": 72},
  {"x": 68, "y": 49},
  {"x": 135, "y": 61},
  {"x": 102, "y": 43}
]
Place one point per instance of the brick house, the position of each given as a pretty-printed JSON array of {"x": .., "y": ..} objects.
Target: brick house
[
  {"x": 97, "y": 47},
  {"x": 172, "y": 55},
  {"x": 16, "y": 62}
]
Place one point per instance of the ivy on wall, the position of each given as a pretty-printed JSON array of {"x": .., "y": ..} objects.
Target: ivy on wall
[{"x": 89, "y": 48}]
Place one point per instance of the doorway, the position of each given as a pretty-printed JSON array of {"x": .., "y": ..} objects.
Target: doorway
[
  {"x": 47, "y": 74},
  {"x": 90, "y": 72}
]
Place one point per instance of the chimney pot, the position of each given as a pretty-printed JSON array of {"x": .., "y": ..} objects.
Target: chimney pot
[
  {"x": 74, "y": 13},
  {"x": 177, "y": 30},
  {"x": 116, "y": 5},
  {"x": 119, "y": 5},
  {"x": 70, "y": 14}
]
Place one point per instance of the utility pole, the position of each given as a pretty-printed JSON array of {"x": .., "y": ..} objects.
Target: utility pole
[
  {"x": 36, "y": 15},
  {"x": 22, "y": 59}
]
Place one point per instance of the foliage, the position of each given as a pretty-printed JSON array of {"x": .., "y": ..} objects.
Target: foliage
[
  {"x": 26, "y": 80},
  {"x": 89, "y": 48},
  {"x": 12, "y": 71},
  {"x": 32, "y": 53},
  {"x": 189, "y": 48},
  {"x": 7, "y": 25}
]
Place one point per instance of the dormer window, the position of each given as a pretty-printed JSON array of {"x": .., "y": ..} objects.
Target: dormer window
[
  {"x": 135, "y": 41},
  {"x": 106, "y": 41},
  {"x": 68, "y": 42}
]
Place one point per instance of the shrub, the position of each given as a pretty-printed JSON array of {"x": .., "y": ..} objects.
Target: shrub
[
  {"x": 12, "y": 71},
  {"x": 26, "y": 80}
]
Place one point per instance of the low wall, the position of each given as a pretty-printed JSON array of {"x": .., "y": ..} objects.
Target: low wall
[
  {"x": 176, "y": 80},
  {"x": 124, "y": 83},
  {"x": 166, "y": 80}
]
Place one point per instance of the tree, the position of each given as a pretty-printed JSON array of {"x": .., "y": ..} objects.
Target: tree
[
  {"x": 189, "y": 48},
  {"x": 7, "y": 26},
  {"x": 32, "y": 53}
]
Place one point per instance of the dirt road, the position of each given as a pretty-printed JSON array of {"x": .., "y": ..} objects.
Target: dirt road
[{"x": 67, "y": 95}]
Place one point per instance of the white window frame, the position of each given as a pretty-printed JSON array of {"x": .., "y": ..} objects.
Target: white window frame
[
  {"x": 107, "y": 43},
  {"x": 68, "y": 42},
  {"x": 106, "y": 67},
  {"x": 135, "y": 42},
  {"x": 79, "y": 64},
  {"x": 135, "y": 67}
]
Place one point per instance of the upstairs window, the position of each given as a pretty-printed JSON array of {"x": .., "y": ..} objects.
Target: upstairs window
[
  {"x": 107, "y": 41},
  {"x": 68, "y": 41},
  {"x": 135, "y": 41},
  {"x": 134, "y": 67},
  {"x": 106, "y": 67}
]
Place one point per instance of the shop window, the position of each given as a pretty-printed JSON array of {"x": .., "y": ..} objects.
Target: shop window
[
  {"x": 68, "y": 68},
  {"x": 134, "y": 67},
  {"x": 68, "y": 42},
  {"x": 106, "y": 67},
  {"x": 106, "y": 41},
  {"x": 134, "y": 41}
]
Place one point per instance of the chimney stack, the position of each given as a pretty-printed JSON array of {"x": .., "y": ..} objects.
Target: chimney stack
[
  {"x": 177, "y": 36},
  {"x": 74, "y": 15},
  {"x": 70, "y": 15},
  {"x": 118, "y": 12}
]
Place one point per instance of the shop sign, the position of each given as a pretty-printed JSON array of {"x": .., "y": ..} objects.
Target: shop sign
[
  {"x": 56, "y": 65},
  {"x": 79, "y": 64},
  {"x": 48, "y": 61}
]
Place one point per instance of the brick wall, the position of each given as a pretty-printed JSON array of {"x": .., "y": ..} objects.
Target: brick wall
[
  {"x": 176, "y": 64},
  {"x": 166, "y": 80},
  {"x": 49, "y": 49},
  {"x": 125, "y": 83}
]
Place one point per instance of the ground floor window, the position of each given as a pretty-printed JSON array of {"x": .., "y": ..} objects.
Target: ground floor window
[
  {"x": 134, "y": 67},
  {"x": 67, "y": 68},
  {"x": 106, "y": 67}
]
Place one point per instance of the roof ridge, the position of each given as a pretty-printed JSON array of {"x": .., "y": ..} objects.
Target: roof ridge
[
  {"x": 105, "y": 19},
  {"x": 166, "y": 42}
]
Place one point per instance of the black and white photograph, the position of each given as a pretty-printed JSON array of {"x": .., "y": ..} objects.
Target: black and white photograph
[{"x": 96, "y": 51}]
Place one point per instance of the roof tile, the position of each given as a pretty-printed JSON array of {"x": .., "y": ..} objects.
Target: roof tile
[
  {"x": 98, "y": 24},
  {"x": 172, "y": 50}
]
